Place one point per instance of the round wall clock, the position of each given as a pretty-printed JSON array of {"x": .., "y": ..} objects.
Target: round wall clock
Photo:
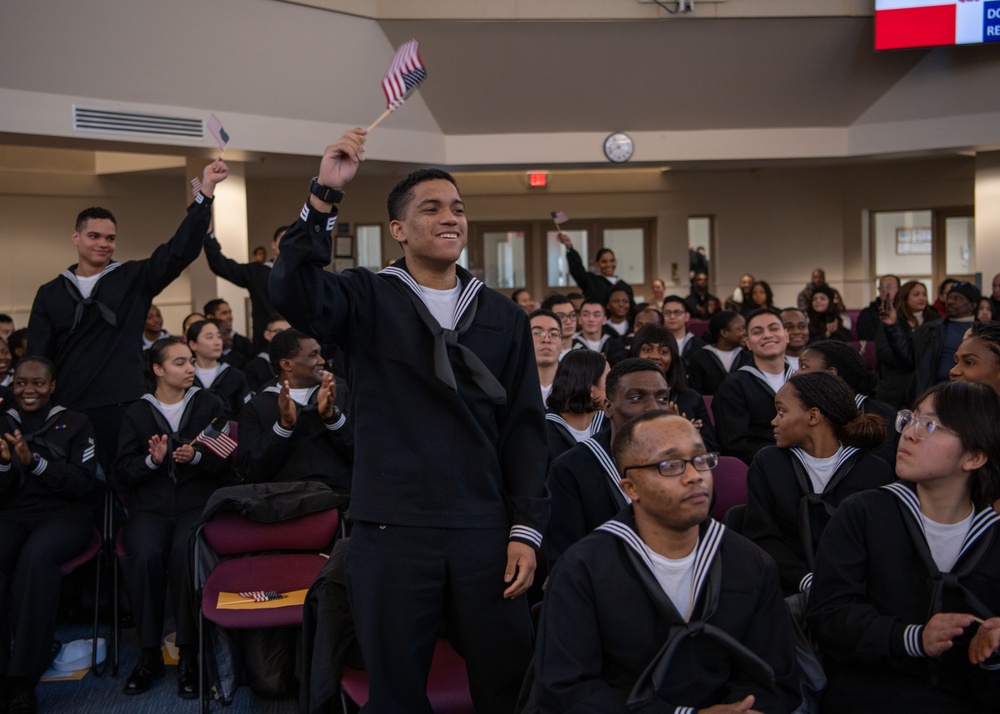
[{"x": 618, "y": 147}]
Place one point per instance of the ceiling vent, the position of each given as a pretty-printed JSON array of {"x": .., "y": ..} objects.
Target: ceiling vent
[{"x": 117, "y": 122}]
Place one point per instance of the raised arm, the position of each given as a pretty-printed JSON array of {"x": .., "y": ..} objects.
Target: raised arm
[
  {"x": 312, "y": 299},
  {"x": 225, "y": 268},
  {"x": 169, "y": 259}
]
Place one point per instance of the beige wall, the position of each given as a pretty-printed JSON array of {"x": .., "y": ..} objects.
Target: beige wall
[{"x": 775, "y": 223}]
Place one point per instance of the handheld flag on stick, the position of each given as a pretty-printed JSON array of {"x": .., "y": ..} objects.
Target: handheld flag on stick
[
  {"x": 221, "y": 137},
  {"x": 558, "y": 217},
  {"x": 216, "y": 439},
  {"x": 404, "y": 75}
]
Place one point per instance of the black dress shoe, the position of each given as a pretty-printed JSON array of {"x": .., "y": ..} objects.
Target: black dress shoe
[
  {"x": 22, "y": 697},
  {"x": 187, "y": 677},
  {"x": 148, "y": 669}
]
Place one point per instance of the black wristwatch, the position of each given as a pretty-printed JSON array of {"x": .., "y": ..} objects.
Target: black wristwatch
[{"x": 325, "y": 193}]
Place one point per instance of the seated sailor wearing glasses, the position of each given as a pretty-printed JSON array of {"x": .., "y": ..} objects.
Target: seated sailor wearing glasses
[
  {"x": 662, "y": 609},
  {"x": 905, "y": 596},
  {"x": 675, "y": 319},
  {"x": 822, "y": 457},
  {"x": 584, "y": 482}
]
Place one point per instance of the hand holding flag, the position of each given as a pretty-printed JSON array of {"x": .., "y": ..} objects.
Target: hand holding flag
[
  {"x": 215, "y": 437},
  {"x": 404, "y": 75}
]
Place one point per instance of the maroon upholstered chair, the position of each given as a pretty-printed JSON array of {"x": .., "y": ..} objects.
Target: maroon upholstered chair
[
  {"x": 697, "y": 327},
  {"x": 447, "y": 683},
  {"x": 730, "y": 479},
  {"x": 707, "y": 398},
  {"x": 239, "y": 542}
]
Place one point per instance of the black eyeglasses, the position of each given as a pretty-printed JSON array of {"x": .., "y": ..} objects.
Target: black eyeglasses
[{"x": 675, "y": 467}]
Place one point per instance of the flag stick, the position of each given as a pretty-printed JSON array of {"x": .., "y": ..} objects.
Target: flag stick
[{"x": 382, "y": 116}]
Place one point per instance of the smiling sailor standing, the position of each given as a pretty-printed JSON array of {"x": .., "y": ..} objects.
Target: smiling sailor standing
[
  {"x": 448, "y": 495},
  {"x": 89, "y": 320}
]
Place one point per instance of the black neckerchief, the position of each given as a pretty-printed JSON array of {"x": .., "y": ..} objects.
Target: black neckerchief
[
  {"x": 107, "y": 314},
  {"x": 812, "y": 505}
]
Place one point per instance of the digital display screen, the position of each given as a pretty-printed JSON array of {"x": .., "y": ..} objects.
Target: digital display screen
[{"x": 901, "y": 24}]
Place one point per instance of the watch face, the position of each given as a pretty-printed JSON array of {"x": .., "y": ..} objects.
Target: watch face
[{"x": 619, "y": 147}]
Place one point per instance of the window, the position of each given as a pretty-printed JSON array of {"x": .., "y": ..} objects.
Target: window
[
  {"x": 370, "y": 247},
  {"x": 503, "y": 259},
  {"x": 558, "y": 267}
]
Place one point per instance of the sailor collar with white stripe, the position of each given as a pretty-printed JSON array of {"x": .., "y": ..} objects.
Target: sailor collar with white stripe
[
  {"x": 276, "y": 389},
  {"x": 608, "y": 465},
  {"x": 188, "y": 396},
  {"x": 596, "y": 424},
  {"x": 846, "y": 453},
  {"x": 982, "y": 521},
  {"x": 70, "y": 275},
  {"x": 709, "y": 540},
  {"x": 471, "y": 285},
  {"x": 760, "y": 375},
  {"x": 13, "y": 413}
]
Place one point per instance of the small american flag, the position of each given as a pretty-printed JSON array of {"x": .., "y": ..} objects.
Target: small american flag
[
  {"x": 404, "y": 75},
  {"x": 262, "y": 595},
  {"x": 195, "y": 185},
  {"x": 215, "y": 126},
  {"x": 558, "y": 217},
  {"x": 216, "y": 440}
]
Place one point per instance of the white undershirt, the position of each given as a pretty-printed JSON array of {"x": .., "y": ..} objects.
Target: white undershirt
[
  {"x": 207, "y": 376},
  {"x": 820, "y": 470},
  {"x": 546, "y": 391},
  {"x": 300, "y": 396},
  {"x": 683, "y": 341},
  {"x": 86, "y": 285},
  {"x": 676, "y": 577},
  {"x": 774, "y": 381},
  {"x": 794, "y": 361},
  {"x": 579, "y": 434},
  {"x": 442, "y": 304},
  {"x": 945, "y": 541},
  {"x": 592, "y": 346},
  {"x": 620, "y": 327},
  {"x": 172, "y": 413},
  {"x": 613, "y": 279},
  {"x": 727, "y": 357}
]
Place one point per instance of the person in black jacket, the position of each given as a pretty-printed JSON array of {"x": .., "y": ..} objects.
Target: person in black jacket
[
  {"x": 576, "y": 404},
  {"x": 871, "y": 316},
  {"x": 228, "y": 383},
  {"x": 658, "y": 345},
  {"x": 166, "y": 476},
  {"x": 676, "y": 318},
  {"x": 904, "y": 597},
  {"x": 662, "y": 609},
  {"x": 596, "y": 286},
  {"x": 584, "y": 481},
  {"x": 449, "y": 505},
  {"x": 293, "y": 429},
  {"x": 596, "y": 335},
  {"x": 841, "y": 359},
  {"x": 722, "y": 355},
  {"x": 822, "y": 456},
  {"x": 89, "y": 320},
  {"x": 894, "y": 342},
  {"x": 744, "y": 404},
  {"x": 47, "y": 472},
  {"x": 253, "y": 276},
  {"x": 259, "y": 370},
  {"x": 236, "y": 349}
]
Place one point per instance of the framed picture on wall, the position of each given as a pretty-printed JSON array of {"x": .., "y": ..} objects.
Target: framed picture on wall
[
  {"x": 343, "y": 246},
  {"x": 913, "y": 241}
]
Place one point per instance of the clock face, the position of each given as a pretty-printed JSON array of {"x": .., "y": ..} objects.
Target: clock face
[{"x": 619, "y": 147}]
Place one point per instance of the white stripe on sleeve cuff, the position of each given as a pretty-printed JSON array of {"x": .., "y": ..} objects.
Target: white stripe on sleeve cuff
[
  {"x": 281, "y": 431},
  {"x": 528, "y": 534},
  {"x": 912, "y": 637}
]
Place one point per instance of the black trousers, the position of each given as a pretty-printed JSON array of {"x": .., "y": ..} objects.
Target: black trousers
[
  {"x": 405, "y": 583},
  {"x": 107, "y": 423},
  {"x": 32, "y": 547},
  {"x": 160, "y": 555}
]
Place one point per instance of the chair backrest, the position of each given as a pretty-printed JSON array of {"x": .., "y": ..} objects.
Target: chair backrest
[
  {"x": 707, "y": 398},
  {"x": 730, "y": 479},
  {"x": 697, "y": 327},
  {"x": 229, "y": 533}
]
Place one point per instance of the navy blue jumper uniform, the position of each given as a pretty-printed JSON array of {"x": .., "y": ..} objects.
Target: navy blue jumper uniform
[
  {"x": 45, "y": 519},
  {"x": 96, "y": 344},
  {"x": 450, "y": 450}
]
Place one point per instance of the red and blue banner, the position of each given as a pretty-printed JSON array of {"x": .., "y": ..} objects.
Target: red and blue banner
[{"x": 931, "y": 23}]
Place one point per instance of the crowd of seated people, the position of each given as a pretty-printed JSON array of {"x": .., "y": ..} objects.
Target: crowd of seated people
[{"x": 871, "y": 493}]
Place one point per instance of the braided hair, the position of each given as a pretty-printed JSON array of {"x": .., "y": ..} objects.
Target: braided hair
[
  {"x": 848, "y": 363},
  {"x": 834, "y": 399}
]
